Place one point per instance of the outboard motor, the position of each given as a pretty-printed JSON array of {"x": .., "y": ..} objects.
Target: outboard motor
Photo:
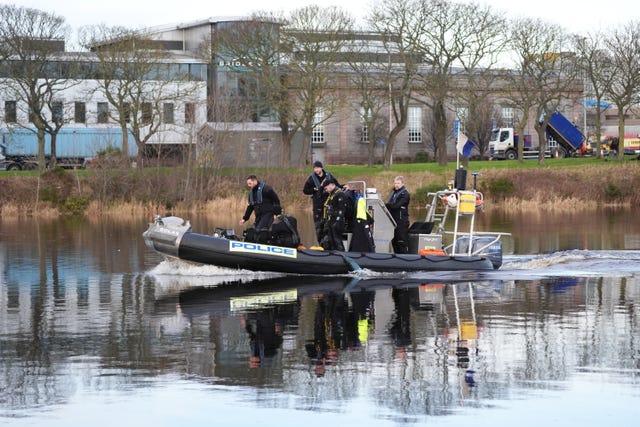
[
  {"x": 164, "y": 234},
  {"x": 487, "y": 247}
]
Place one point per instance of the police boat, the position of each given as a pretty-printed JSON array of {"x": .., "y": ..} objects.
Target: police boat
[{"x": 432, "y": 246}]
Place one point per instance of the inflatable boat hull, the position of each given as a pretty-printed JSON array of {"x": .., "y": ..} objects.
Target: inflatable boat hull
[{"x": 176, "y": 240}]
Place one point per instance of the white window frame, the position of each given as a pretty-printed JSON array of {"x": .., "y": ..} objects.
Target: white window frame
[
  {"x": 317, "y": 132},
  {"x": 364, "y": 129},
  {"x": 414, "y": 125}
]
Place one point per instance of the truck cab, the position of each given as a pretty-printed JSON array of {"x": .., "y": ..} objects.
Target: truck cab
[
  {"x": 15, "y": 163},
  {"x": 503, "y": 144}
]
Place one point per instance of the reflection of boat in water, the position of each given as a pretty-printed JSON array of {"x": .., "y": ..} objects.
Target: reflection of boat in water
[
  {"x": 172, "y": 237},
  {"x": 250, "y": 296}
]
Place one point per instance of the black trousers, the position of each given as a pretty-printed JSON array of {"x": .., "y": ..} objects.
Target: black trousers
[
  {"x": 262, "y": 224},
  {"x": 400, "y": 240},
  {"x": 332, "y": 239},
  {"x": 319, "y": 230}
]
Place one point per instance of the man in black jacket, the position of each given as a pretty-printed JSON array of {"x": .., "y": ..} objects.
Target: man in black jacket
[
  {"x": 398, "y": 206},
  {"x": 314, "y": 188},
  {"x": 264, "y": 203}
]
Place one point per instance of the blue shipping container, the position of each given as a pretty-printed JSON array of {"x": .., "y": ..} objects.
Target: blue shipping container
[{"x": 71, "y": 142}]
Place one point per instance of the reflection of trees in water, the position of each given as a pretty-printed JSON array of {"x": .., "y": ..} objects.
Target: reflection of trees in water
[{"x": 398, "y": 347}]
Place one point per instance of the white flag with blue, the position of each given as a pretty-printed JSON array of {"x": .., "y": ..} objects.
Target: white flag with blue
[{"x": 464, "y": 144}]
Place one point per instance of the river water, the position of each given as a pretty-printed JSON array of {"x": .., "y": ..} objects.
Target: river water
[{"x": 97, "y": 330}]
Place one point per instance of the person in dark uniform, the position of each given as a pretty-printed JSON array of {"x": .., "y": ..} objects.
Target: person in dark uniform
[
  {"x": 398, "y": 206},
  {"x": 264, "y": 203},
  {"x": 362, "y": 237},
  {"x": 314, "y": 187},
  {"x": 333, "y": 216}
]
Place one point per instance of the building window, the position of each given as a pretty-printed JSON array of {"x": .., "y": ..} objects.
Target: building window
[
  {"x": 103, "y": 112},
  {"x": 126, "y": 111},
  {"x": 415, "y": 125},
  {"x": 189, "y": 112},
  {"x": 364, "y": 128},
  {"x": 80, "y": 112},
  {"x": 57, "y": 114},
  {"x": 146, "y": 113},
  {"x": 317, "y": 134},
  {"x": 507, "y": 117},
  {"x": 167, "y": 113},
  {"x": 10, "y": 112}
]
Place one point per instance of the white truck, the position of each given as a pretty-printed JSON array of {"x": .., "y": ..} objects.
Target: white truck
[{"x": 563, "y": 139}]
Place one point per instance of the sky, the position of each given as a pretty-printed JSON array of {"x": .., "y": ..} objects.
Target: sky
[{"x": 580, "y": 16}]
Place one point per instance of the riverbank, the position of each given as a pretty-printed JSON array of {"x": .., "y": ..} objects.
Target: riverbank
[{"x": 561, "y": 184}]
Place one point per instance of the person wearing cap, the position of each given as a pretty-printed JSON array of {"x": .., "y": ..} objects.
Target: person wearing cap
[
  {"x": 314, "y": 187},
  {"x": 264, "y": 203},
  {"x": 334, "y": 213},
  {"x": 398, "y": 206}
]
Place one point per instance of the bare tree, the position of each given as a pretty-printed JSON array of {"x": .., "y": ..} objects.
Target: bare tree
[
  {"x": 451, "y": 34},
  {"x": 136, "y": 79},
  {"x": 624, "y": 45},
  {"x": 286, "y": 66},
  {"x": 252, "y": 49},
  {"x": 481, "y": 114},
  {"x": 32, "y": 46},
  {"x": 483, "y": 34},
  {"x": 398, "y": 21},
  {"x": 596, "y": 66},
  {"x": 370, "y": 81},
  {"x": 545, "y": 73},
  {"x": 312, "y": 42}
]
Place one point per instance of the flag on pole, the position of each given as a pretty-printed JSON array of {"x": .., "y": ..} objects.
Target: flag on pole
[{"x": 464, "y": 144}]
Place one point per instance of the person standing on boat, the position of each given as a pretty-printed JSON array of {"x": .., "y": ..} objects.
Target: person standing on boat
[
  {"x": 398, "y": 206},
  {"x": 314, "y": 187},
  {"x": 335, "y": 208},
  {"x": 362, "y": 237},
  {"x": 264, "y": 203}
]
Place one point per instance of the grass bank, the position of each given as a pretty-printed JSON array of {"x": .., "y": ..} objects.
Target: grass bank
[{"x": 559, "y": 184}]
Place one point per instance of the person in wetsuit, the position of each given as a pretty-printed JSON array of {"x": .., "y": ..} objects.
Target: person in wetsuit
[{"x": 264, "y": 203}]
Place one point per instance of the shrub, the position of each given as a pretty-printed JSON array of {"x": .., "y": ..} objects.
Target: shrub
[
  {"x": 420, "y": 195},
  {"x": 501, "y": 187},
  {"x": 76, "y": 205},
  {"x": 422, "y": 157},
  {"x": 613, "y": 191},
  {"x": 55, "y": 185}
]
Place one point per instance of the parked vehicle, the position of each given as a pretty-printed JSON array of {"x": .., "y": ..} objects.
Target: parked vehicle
[
  {"x": 75, "y": 147},
  {"x": 563, "y": 139}
]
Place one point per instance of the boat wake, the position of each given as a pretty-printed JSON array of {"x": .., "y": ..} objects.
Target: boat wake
[
  {"x": 571, "y": 263},
  {"x": 583, "y": 263},
  {"x": 174, "y": 276}
]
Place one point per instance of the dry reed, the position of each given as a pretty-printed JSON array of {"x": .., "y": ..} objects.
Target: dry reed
[{"x": 587, "y": 187}]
